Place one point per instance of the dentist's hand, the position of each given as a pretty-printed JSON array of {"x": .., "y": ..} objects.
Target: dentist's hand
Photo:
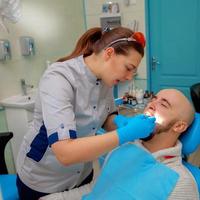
[
  {"x": 121, "y": 120},
  {"x": 140, "y": 126}
]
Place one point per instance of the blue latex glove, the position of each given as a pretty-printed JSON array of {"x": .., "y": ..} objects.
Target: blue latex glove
[
  {"x": 120, "y": 120},
  {"x": 140, "y": 126}
]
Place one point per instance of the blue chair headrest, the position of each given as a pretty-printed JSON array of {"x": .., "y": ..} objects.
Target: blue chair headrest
[{"x": 191, "y": 138}]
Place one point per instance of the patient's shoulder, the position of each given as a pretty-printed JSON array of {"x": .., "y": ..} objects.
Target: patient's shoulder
[{"x": 186, "y": 187}]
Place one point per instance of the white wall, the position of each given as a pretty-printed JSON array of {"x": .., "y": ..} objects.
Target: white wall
[
  {"x": 93, "y": 11},
  {"x": 55, "y": 28}
]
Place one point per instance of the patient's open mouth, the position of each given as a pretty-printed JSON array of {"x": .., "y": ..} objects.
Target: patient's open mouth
[
  {"x": 159, "y": 119},
  {"x": 149, "y": 113}
]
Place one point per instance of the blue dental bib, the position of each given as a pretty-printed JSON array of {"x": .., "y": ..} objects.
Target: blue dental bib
[{"x": 131, "y": 173}]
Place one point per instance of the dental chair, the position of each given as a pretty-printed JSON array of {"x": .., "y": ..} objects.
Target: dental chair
[
  {"x": 8, "y": 189},
  {"x": 191, "y": 141},
  {"x": 195, "y": 95}
]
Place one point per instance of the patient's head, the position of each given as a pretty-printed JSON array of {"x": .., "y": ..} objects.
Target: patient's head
[{"x": 173, "y": 112}]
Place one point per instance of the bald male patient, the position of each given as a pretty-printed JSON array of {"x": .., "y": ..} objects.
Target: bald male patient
[{"x": 174, "y": 114}]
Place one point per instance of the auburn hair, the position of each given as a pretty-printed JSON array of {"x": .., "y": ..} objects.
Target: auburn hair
[{"x": 94, "y": 41}]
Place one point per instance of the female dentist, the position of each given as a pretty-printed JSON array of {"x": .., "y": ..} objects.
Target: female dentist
[{"x": 74, "y": 100}]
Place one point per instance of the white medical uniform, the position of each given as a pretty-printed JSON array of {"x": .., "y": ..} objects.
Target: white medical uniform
[{"x": 71, "y": 103}]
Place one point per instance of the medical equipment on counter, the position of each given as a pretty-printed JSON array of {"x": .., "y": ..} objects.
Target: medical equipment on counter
[{"x": 128, "y": 105}]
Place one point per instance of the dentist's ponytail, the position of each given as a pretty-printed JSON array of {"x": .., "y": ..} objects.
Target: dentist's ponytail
[
  {"x": 95, "y": 40},
  {"x": 84, "y": 46}
]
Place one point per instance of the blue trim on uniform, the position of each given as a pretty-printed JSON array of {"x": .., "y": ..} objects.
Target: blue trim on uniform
[
  {"x": 39, "y": 145},
  {"x": 53, "y": 138},
  {"x": 72, "y": 134}
]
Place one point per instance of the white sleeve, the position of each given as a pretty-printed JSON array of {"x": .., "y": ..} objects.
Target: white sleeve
[
  {"x": 74, "y": 194},
  {"x": 57, "y": 100},
  {"x": 186, "y": 187}
]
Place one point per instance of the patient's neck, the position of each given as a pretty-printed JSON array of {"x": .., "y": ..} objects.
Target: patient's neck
[{"x": 160, "y": 141}]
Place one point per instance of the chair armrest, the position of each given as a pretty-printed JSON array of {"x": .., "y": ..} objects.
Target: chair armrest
[{"x": 4, "y": 138}]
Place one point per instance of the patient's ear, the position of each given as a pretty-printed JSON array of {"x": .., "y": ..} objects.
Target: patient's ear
[{"x": 180, "y": 126}]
